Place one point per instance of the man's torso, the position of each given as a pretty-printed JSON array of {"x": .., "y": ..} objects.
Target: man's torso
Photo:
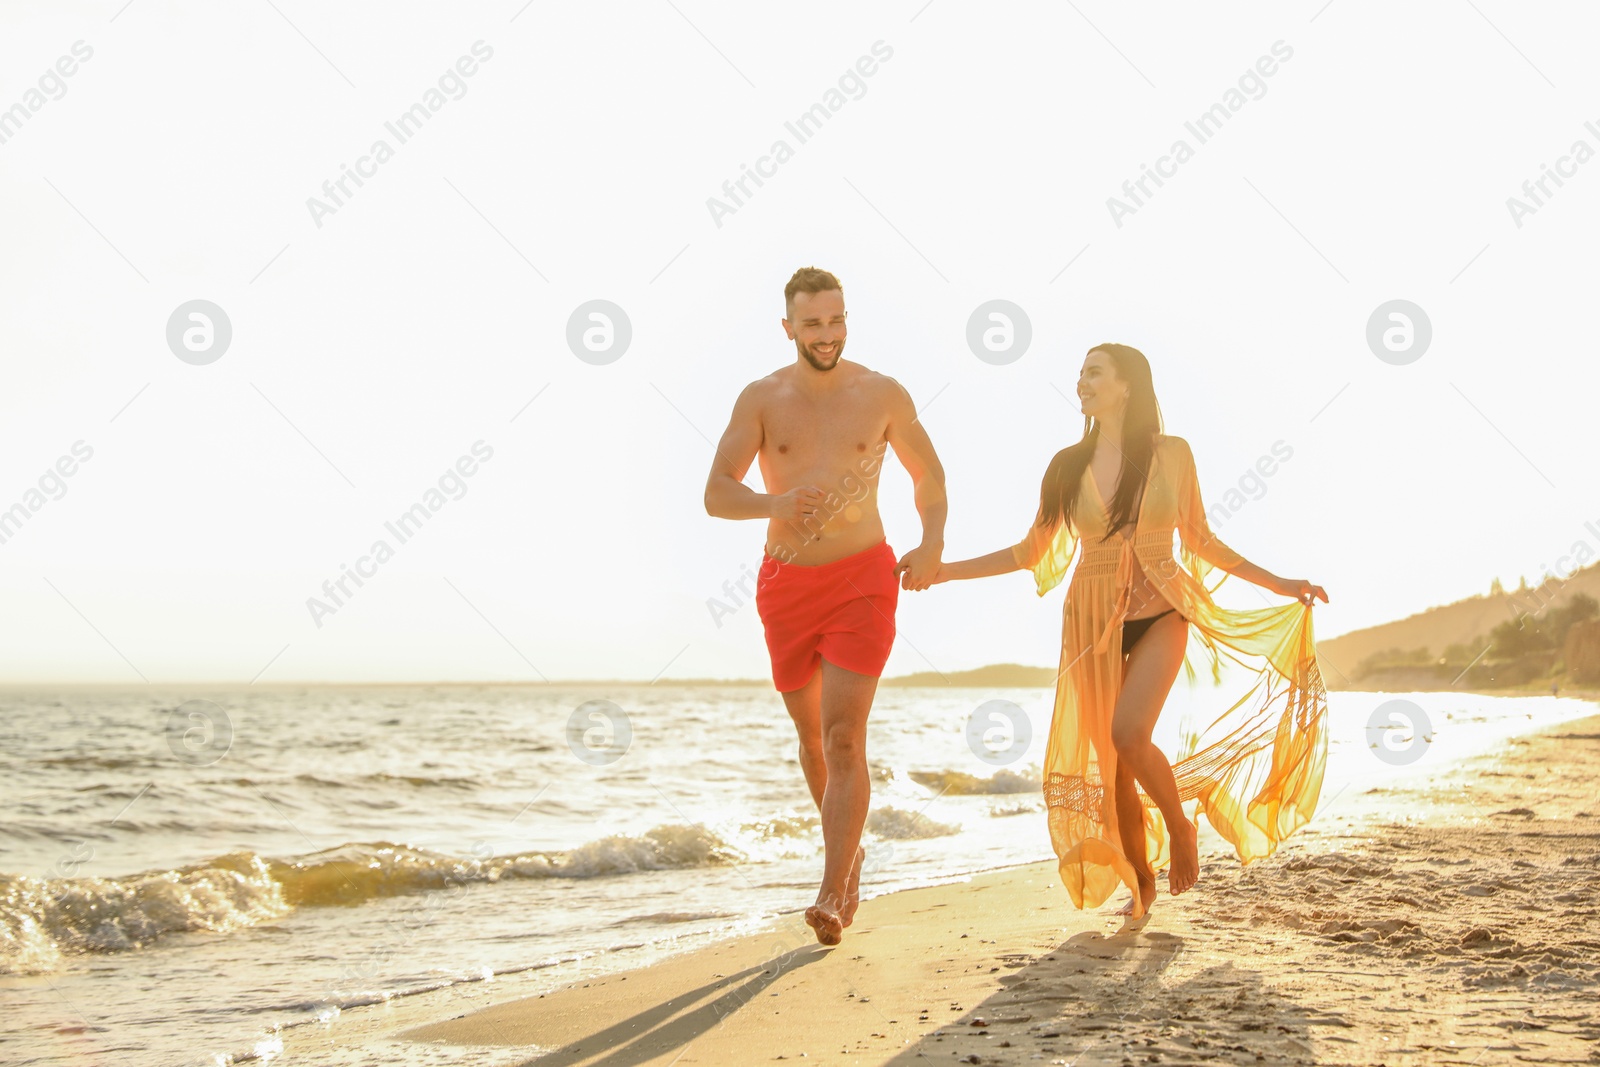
[{"x": 836, "y": 442}]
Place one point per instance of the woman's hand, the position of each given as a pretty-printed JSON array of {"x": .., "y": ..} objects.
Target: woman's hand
[{"x": 1301, "y": 590}]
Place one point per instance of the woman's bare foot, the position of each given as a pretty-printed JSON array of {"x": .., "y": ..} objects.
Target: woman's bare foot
[
  {"x": 824, "y": 919},
  {"x": 852, "y": 889},
  {"x": 1138, "y": 905},
  {"x": 1185, "y": 868}
]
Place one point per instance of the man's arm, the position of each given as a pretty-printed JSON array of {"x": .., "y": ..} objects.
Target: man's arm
[
  {"x": 727, "y": 497},
  {"x": 913, "y": 448}
]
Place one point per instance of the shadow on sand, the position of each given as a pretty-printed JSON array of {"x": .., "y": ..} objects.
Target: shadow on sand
[
  {"x": 1096, "y": 999},
  {"x": 674, "y": 1023}
]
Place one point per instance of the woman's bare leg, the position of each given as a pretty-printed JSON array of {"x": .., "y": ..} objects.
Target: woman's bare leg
[
  {"x": 1130, "y": 828},
  {"x": 1152, "y": 667}
]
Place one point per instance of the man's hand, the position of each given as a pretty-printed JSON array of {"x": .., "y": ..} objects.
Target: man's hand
[
  {"x": 798, "y": 505},
  {"x": 919, "y": 567}
]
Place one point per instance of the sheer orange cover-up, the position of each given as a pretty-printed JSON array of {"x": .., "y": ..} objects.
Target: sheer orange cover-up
[{"x": 1256, "y": 770}]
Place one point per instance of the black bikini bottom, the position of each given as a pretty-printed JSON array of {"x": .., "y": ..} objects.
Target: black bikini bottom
[{"x": 1134, "y": 629}]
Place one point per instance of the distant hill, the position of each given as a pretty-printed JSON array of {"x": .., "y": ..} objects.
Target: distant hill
[
  {"x": 994, "y": 676},
  {"x": 1441, "y": 643}
]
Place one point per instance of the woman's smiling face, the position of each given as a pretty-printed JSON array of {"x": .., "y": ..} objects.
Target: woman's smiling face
[{"x": 1100, "y": 391}]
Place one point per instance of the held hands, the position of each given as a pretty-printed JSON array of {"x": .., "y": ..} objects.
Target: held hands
[
  {"x": 1302, "y": 590},
  {"x": 919, "y": 568}
]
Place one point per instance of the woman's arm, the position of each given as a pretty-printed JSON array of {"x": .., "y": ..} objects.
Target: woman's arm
[
  {"x": 1001, "y": 562},
  {"x": 1299, "y": 588},
  {"x": 1258, "y": 575},
  {"x": 1047, "y": 551}
]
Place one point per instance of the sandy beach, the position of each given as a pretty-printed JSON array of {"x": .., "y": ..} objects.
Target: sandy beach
[{"x": 1449, "y": 921}]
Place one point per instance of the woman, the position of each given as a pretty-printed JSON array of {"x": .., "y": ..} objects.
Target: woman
[{"x": 1257, "y": 770}]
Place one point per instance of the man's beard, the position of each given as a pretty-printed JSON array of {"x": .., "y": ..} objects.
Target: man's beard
[{"x": 805, "y": 353}]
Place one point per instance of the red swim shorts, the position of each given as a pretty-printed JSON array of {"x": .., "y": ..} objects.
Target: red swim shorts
[{"x": 841, "y": 611}]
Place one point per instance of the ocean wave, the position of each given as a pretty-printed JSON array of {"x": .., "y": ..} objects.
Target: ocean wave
[
  {"x": 658, "y": 849},
  {"x": 42, "y": 920},
  {"x": 1000, "y": 811},
  {"x": 959, "y": 783},
  {"x": 381, "y": 778},
  {"x": 782, "y": 826},
  {"x": 666, "y": 917},
  {"x": 45, "y": 920},
  {"x": 895, "y": 824},
  {"x": 422, "y": 781},
  {"x": 93, "y": 761}
]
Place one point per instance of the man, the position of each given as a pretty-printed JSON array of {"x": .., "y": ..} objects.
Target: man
[{"x": 827, "y": 590}]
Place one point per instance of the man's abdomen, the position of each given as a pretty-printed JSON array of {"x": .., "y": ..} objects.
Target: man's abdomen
[
  {"x": 850, "y": 529},
  {"x": 846, "y": 522}
]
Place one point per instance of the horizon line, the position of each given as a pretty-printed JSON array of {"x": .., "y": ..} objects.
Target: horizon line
[{"x": 475, "y": 681}]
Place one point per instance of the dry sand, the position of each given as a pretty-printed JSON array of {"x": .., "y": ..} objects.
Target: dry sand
[{"x": 1467, "y": 931}]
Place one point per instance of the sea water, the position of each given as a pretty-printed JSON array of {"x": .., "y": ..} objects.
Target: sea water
[{"x": 185, "y": 872}]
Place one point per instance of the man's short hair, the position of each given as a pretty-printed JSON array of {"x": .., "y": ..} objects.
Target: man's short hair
[{"x": 808, "y": 280}]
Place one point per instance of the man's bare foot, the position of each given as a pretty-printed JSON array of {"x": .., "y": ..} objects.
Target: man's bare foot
[
  {"x": 824, "y": 919},
  {"x": 1138, "y": 905},
  {"x": 852, "y": 889},
  {"x": 1185, "y": 868}
]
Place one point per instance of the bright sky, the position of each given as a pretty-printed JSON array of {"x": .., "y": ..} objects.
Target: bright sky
[{"x": 570, "y": 157}]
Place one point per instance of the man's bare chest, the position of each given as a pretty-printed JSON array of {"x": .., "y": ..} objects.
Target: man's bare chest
[{"x": 806, "y": 436}]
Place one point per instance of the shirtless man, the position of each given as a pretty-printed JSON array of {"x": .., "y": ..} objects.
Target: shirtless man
[{"x": 827, "y": 589}]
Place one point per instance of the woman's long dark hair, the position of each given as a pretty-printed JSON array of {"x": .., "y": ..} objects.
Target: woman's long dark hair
[{"x": 1141, "y": 422}]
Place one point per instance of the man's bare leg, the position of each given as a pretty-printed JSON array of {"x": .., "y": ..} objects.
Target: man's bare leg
[
  {"x": 846, "y": 701},
  {"x": 805, "y": 708}
]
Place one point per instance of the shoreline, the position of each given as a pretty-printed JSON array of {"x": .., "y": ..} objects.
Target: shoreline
[{"x": 1472, "y": 890}]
